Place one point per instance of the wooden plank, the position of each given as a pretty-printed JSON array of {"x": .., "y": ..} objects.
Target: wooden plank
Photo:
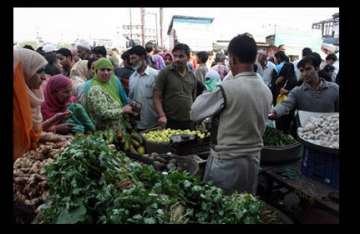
[{"x": 311, "y": 188}]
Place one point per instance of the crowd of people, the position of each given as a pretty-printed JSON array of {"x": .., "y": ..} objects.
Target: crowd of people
[{"x": 64, "y": 91}]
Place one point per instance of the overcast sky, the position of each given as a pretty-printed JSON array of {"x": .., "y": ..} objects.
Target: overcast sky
[{"x": 67, "y": 24}]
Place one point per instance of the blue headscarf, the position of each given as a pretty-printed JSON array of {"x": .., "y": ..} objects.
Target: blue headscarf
[
  {"x": 212, "y": 80},
  {"x": 278, "y": 67}
]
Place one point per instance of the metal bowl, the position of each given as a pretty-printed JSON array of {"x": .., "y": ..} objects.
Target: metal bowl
[{"x": 281, "y": 154}]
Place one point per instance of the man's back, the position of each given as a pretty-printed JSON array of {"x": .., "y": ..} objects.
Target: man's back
[{"x": 242, "y": 122}]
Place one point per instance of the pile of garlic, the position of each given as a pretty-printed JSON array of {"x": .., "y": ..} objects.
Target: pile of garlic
[{"x": 322, "y": 130}]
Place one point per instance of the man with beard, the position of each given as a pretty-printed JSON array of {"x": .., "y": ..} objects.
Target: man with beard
[
  {"x": 175, "y": 91},
  {"x": 141, "y": 85},
  {"x": 83, "y": 50}
]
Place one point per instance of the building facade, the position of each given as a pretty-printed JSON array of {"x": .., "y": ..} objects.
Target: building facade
[
  {"x": 134, "y": 32},
  {"x": 196, "y": 32},
  {"x": 329, "y": 29}
]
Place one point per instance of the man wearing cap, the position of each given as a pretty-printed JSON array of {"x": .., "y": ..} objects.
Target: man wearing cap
[
  {"x": 49, "y": 48},
  {"x": 54, "y": 66},
  {"x": 84, "y": 50}
]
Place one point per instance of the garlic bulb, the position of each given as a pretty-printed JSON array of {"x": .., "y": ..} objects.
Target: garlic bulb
[{"x": 322, "y": 130}]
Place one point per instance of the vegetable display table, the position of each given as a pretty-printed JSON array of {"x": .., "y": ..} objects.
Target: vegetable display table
[{"x": 280, "y": 181}]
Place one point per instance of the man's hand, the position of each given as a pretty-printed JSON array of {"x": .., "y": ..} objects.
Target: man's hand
[
  {"x": 64, "y": 128},
  {"x": 59, "y": 117},
  {"x": 279, "y": 80},
  {"x": 162, "y": 121},
  {"x": 272, "y": 115},
  {"x": 128, "y": 109},
  {"x": 284, "y": 91}
]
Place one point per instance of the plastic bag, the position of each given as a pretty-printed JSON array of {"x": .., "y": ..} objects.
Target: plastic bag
[
  {"x": 280, "y": 98},
  {"x": 271, "y": 123}
]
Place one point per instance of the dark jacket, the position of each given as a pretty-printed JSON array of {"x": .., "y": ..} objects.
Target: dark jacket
[{"x": 289, "y": 82}]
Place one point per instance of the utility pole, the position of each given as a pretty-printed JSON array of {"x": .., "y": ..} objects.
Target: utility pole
[
  {"x": 142, "y": 12},
  {"x": 161, "y": 27},
  {"x": 130, "y": 24},
  {"x": 156, "y": 26},
  {"x": 156, "y": 29}
]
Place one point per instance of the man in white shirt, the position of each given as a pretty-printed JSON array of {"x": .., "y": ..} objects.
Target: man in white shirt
[
  {"x": 141, "y": 86},
  {"x": 264, "y": 67}
]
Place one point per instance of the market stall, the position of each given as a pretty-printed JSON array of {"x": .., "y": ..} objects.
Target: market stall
[
  {"x": 92, "y": 180},
  {"x": 156, "y": 177},
  {"x": 91, "y": 183},
  {"x": 308, "y": 185}
]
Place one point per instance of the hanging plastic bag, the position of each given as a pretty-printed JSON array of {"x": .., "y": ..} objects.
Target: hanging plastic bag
[
  {"x": 280, "y": 98},
  {"x": 271, "y": 123}
]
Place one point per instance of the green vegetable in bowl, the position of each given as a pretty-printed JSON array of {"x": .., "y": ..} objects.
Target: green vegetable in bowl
[{"x": 275, "y": 137}]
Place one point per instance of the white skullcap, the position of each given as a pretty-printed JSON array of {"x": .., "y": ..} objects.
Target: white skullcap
[
  {"x": 84, "y": 44},
  {"x": 49, "y": 48},
  {"x": 261, "y": 51}
]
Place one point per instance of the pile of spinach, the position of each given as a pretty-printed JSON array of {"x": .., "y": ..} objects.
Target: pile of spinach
[
  {"x": 91, "y": 183},
  {"x": 275, "y": 137}
]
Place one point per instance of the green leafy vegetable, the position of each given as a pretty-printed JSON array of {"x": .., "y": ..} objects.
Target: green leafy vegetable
[
  {"x": 275, "y": 137},
  {"x": 92, "y": 183}
]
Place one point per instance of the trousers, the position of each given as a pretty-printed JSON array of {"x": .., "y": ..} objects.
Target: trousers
[{"x": 238, "y": 174}]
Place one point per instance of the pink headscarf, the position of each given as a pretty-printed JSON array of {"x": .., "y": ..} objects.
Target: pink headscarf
[
  {"x": 52, "y": 105},
  {"x": 166, "y": 54}
]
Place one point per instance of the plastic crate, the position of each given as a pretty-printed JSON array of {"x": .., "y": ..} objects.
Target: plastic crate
[
  {"x": 321, "y": 166},
  {"x": 196, "y": 146},
  {"x": 157, "y": 147}
]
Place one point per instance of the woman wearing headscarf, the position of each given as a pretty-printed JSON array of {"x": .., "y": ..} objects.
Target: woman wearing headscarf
[
  {"x": 29, "y": 72},
  {"x": 168, "y": 58},
  {"x": 220, "y": 66},
  {"x": 79, "y": 74},
  {"x": 212, "y": 80},
  {"x": 58, "y": 97},
  {"x": 105, "y": 98}
]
